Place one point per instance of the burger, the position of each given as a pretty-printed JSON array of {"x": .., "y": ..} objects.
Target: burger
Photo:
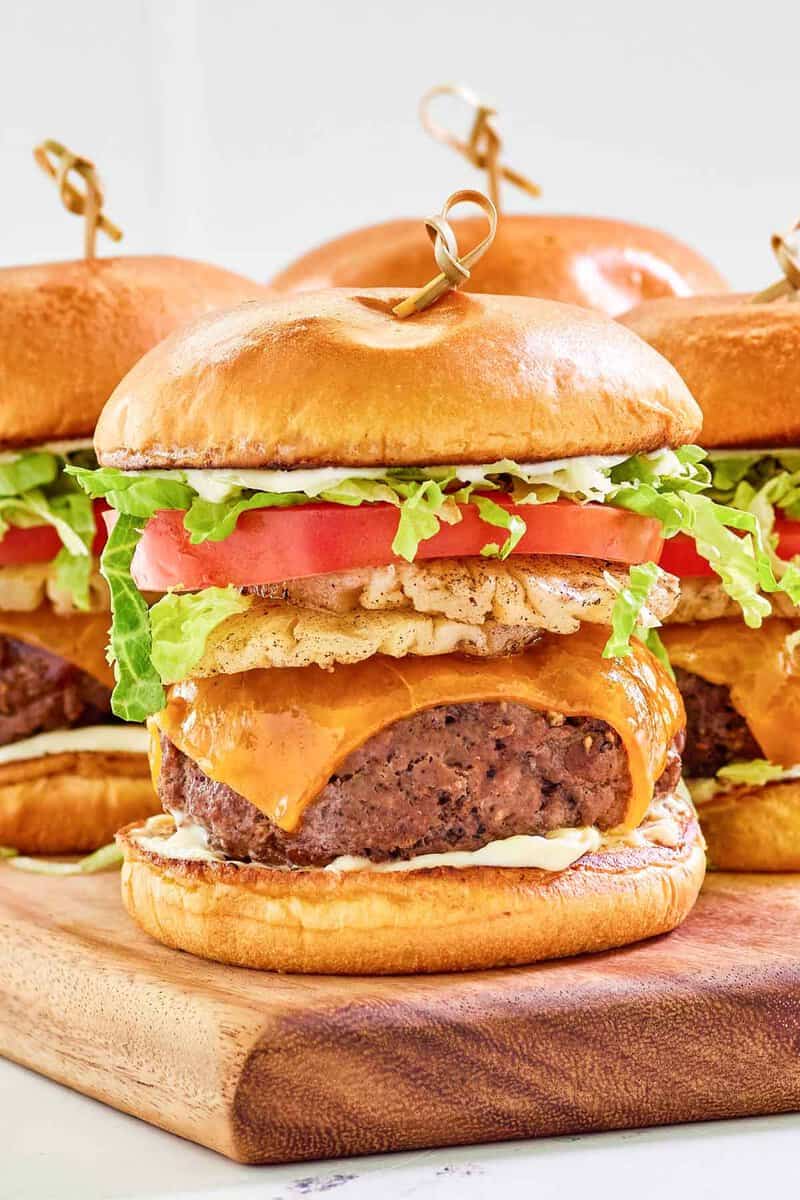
[
  {"x": 741, "y": 680},
  {"x": 70, "y": 773},
  {"x": 407, "y": 703},
  {"x": 595, "y": 262}
]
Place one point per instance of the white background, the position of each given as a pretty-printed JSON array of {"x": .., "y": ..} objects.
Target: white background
[{"x": 243, "y": 132}]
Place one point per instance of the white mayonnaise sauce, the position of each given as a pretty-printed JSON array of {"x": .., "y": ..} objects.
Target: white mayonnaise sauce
[
  {"x": 554, "y": 852},
  {"x": 120, "y": 739}
]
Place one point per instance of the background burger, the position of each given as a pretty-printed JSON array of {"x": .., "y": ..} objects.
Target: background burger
[
  {"x": 595, "y": 262},
  {"x": 410, "y": 722},
  {"x": 70, "y": 773},
  {"x": 741, "y": 682}
]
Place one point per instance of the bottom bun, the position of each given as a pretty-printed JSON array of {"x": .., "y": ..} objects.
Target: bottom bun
[
  {"x": 754, "y": 829},
  {"x": 441, "y": 919},
  {"x": 72, "y": 803}
]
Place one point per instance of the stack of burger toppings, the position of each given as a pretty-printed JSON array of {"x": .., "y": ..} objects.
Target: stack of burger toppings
[
  {"x": 407, "y": 703},
  {"x": 740, "y": 680}
]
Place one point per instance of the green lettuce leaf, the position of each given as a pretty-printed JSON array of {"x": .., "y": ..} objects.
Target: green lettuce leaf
[
  {"x": 73, "y": 571},
  {"x": 626, "y": 616},
  {"x": 654, "y": 644},
  {"x": 207, "y": 521},
  {"x": 35, "y": 469},
  {"x": 138, "y": 691},
  {"x": 180, "y": 625},
  {"x": 756, "y": 772},
  {"x": 419, "y": 517},
  {"x": 105, "y": 859},
  {"x": 138, "y": 495},
  {"x": 494, "y": 514}
]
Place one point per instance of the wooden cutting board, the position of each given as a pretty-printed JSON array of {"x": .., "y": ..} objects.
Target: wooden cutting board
[{"x": 702, "y": 1023}]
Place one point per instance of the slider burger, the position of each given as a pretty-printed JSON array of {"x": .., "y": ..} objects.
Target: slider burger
[
  {"x": 404, "y": 708},
  {"x": 70, "y": 773},
  {"x": 595, "y": 262},
  {"x": 403, "y": 715},
  {"x": 741, "y": 681}
]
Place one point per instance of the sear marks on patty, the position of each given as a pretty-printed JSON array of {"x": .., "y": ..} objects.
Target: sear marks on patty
[
  {"x": 716, "y": 734},
  {"x": 40, "y": 691},
  {"x": 450, "y": 778}
]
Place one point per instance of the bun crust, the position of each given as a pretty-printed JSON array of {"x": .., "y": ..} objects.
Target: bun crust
[
  {"x": 333, "y": 378},
  {"x": 740, "y": 360},
  {"x": 601, "y": 264},
  {"x": 754, "y": 829},
  {"x": 72, "y": 803},
  {"x": 69, "y": 331},
  {"x": 445, "y": 919}
]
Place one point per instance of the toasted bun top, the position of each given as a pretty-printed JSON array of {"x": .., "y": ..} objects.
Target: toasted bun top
[
  {"x": 741, "y": 361},
  {"x": 602, "y": 264},
  {"x": 333, "y": 378},
  {"x": 70, "y": 330}
]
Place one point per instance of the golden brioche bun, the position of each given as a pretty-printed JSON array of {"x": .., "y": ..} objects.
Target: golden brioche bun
[
  {"x": 741, "y": 362},
  {"x": 754, "y": 829},
  {"x": 333, "y": 378},
  {"x": 72, "y": 803},
  {"x": 70, "y": 330},
  {"x": 445, "y": 919},
  {"x": 602, "y": 264}
]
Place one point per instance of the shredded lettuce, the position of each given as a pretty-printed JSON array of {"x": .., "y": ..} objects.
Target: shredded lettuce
[
  {"x": 493, "y": 514},
  {"x": 180, "y": 625},
  {"x": 656, "y": 647},
  {"x": 34, "y": 491},
  {"x": 756, "y": 772},
  {"x": 105, "y": 859},
  {"x": 138, "y": 691},
  {"x": 671, "y": 486},
  {"x": 629, "y": 608}
]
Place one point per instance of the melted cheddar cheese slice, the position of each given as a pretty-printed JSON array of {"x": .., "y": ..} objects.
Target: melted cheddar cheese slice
[
  {"x": 755, "y": 665},
  {"x": 80, "y": 638},
  {"x": 276, "y": 736}
]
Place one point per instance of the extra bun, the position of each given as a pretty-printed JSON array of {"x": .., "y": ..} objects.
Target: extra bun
[
  {"x": 69, "y": 331},
  {"x": 754, "y": 829},
  {"x": 740, "y": 360},
  {"x": 333, "y": 378},
  {"x": 446, "y": 919},
  {"x": 72, "y": 803},
  {"x": 601, "y": 264}
]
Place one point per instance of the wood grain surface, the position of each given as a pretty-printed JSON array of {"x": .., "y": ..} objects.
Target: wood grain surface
[{"x": 704, "y": 1022}]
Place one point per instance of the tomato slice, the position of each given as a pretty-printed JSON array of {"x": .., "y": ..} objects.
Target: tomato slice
[
  {"x": 680, "y": 557},
  {"x": 41, "y": 543},
  {"x": 270, "y": 545}
]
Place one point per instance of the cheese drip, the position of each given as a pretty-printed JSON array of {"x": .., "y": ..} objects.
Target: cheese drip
[
  {"x": 757, "y": 668},
  {"x": 277, "y": 736}
]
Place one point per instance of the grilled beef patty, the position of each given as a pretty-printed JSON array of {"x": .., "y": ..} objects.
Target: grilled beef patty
[
  {"x": 449, "y": 778},
  {"x": 40, "y": 691},
  {"x": 716, "y": 734}
]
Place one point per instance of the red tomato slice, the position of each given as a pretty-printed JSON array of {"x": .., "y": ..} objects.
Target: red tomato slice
[
  {"x": 269, "y": 545},
  {"x": 680, "y": 557},
  {"x": 41, "y": 543}
]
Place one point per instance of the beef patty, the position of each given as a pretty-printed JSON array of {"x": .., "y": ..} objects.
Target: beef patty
[
  {"x": 716, "y": 734},
  {"x": 449, "y": 778},
  {"x": 40, "y": 691}
]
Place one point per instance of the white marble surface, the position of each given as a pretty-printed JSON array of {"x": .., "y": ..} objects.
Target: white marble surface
[{"x": 57, "y": 1144}]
